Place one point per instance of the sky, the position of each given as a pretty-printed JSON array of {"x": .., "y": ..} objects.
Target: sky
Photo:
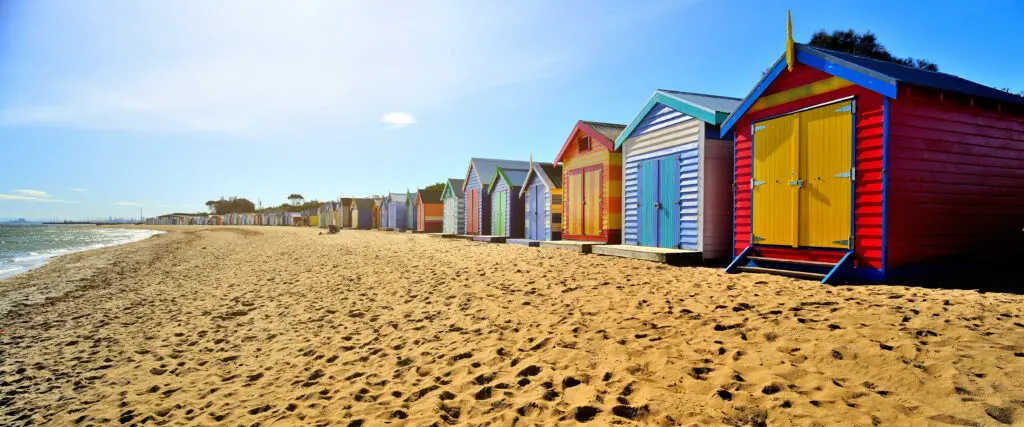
[{"x": 122, "y": 108}]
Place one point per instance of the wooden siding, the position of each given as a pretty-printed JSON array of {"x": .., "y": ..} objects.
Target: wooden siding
[
  {"x": 514, "y": 209},
  {"x": 868, "y": 162},
  {"x": 553, "y": 199},
  {"x": 454, "y": 214},
  {"x": 430, "y": 217},
  {"x": 956, "y": 181},
  {"x": 611, "y": 189},
  {"x": 477, "y": 212}
]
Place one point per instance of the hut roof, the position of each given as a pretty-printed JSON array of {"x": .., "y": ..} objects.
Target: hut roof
[
  {"x": 512, "y": 177},
  {"x": 602, "y": 133},
  {"x": 486, "y": 168},
  {"x": 456, "y": 185},
  {"x": 548, "y": 173},
  {"x": 873, "y": 74},
  {"x": 429, "y": 196}
]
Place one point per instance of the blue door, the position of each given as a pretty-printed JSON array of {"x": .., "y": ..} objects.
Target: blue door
[
  {"x": 535, "y": 213},
  {"x": 658, "y": 210}
]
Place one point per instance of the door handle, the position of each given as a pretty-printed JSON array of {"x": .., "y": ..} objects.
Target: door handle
[
  {"x": 798, "y": 183},
  {"x": 657, "y": 205}
]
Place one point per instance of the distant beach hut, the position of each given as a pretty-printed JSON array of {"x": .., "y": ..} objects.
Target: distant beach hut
[
  {"x": 542, "y": 198},
  {"x": 454, "y": 207},
  {"x": 507, "y": 215},
  {"x": 377, "y": 220},
  {"x": 475, "y": 187},
  {"x": 411, "y": 212},
  {"x": 430, "y": 211},
  {"x": 677, "y": 174},
  {"x": 855, "y": 169},
  {"x": 345, "y": 212},
  {"x": 393, "y": 212},
  {"x": 362, "y": 213},
  {"x": 592, "y": 183}
]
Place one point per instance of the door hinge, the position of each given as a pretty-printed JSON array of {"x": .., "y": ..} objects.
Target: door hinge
[
  {"x": 845, "y": 109},
  {"x": 756, "y": 183},
  {"x": 842, "y": 242},
  {"x": 852, "y": 174},
  {"x": 755, "y": 238},
  {"x": 759, "y": 127}
]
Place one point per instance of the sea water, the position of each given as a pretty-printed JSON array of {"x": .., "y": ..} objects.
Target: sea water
[{"x": 27, "y": 246}]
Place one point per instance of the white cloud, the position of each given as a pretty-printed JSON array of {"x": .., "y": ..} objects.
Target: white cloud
[
  {"x": 25, "y": 198},
  {"x": 80, "y": 190},
  {"x": 128, "y": 204},
  {"x": 32, "y": 193},
  {"x": 398, "y": 119},
  {"x": 179, "y": 66}
]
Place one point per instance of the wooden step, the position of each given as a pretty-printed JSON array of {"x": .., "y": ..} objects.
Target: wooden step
[
  {"x": 792, "y": 273},
  {"x": 828, "y": 265}
]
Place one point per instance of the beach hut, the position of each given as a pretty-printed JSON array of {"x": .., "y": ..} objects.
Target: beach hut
[
  {"x": 430, "y": 211},
  {"x": 507, "y": 215},
  {"x": 542, "y": 198},
  {"x": 592, "y": 183},
  {"x": 454, "y": 207},
  {"x": 411, "y": 212},
  {"x": 475, "y": 187},
  {"x": 345, "y": 212},
  {"x": 677, "y": 169},
  {"x": 855, "y": 169},
  {"x": 375, "y": 213},
  {"x": 393, "y": 212},
  {"x": 362, "y": 212}
]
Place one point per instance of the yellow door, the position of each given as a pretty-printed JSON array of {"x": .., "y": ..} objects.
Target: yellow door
[
  {"x": 592, "y": 210},
  {"x": 803, "y": 166},
  {"x": 826, "y": 160},
  {"x": 574, "y": 204},
  {"x": 776, "y": 146}
]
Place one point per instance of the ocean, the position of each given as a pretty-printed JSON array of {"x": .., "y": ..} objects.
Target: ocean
[{"x": 27, "y": 246}]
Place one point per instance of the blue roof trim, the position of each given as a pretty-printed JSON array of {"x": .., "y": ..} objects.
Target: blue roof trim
[
  {"x": 659, "y": 97},
  {"x": 751, "y": 97},
  {"x": 860, "y": 76}
]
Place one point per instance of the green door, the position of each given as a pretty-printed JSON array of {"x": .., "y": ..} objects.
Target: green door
[{"x": 500, "y": 212}]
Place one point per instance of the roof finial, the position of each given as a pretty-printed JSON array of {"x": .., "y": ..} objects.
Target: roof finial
[{"x": 790, "y": 54}]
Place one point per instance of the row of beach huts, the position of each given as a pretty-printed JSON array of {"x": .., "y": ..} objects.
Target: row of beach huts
[{"x": 834, "y": 167}]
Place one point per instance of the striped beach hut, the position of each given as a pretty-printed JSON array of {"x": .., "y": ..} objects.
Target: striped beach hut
[
  {"x": 411, "y": 211},
  {"x": 430, "y": 211},
  {"x": 677, "y": 170},
  {"x": 478, "y": 203},
  {"x": 855, "y": 169},
  {"x": 592, "y": 183},
  {"x": 454, "y": 207},
  {"x": 507, "y": 215},
  {"x": 542, "y": 198},
  {"x": 362, "y": 213}
]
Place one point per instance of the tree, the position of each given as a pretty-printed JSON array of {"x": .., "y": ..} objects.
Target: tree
[
  {"x": 211, "y": 206},
  {"x": 296, "y": 199},
  {"x": 231, "y": 205},
  {"x": 437, "y": 186},
  {"x": 865, "y": 45}
]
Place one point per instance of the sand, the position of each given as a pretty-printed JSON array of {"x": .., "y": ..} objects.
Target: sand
[{"x": 283, "y": 326}]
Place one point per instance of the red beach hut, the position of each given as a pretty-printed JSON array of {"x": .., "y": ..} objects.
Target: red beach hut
[{"x": 854, "y": 169}]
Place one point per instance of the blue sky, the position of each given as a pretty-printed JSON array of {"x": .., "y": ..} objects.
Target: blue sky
[{"x": 109, "y": 107}]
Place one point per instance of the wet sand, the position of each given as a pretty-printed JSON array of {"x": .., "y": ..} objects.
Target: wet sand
[{"x": 282, "y": 326}]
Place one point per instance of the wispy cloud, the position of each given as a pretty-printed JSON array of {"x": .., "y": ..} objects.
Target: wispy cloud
[
  {"x": 32, "y": 193},
  {"x": 80, "y": 190},
  {"x": 398, "y": 119},
  {"x": 128, "y": 204},
  {"x": 27, "y": 198}
]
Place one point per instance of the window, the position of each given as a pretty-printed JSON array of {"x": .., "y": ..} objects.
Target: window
[{"x": 584, "y": 144}]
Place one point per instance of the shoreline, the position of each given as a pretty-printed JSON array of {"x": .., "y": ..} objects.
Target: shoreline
[
  {"x": 31, "y": 262},
  {"x": 282, "y": 325}
]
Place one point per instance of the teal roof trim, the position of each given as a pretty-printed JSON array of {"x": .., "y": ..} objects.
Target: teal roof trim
[{"x": 703, "y": 113}]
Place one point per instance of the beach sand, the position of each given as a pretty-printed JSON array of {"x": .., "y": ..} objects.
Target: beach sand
[{"x": 283, "y": 326}]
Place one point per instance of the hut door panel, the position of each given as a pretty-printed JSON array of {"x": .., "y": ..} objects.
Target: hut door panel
[
  {"x": 668, "y": 202},
  {"x": 647, "y": 211},
  {"x": 574, "y": 203},
  {"x": 592, "y": 202},
  {"x": 534, "y": 213},
  {"x": 500, "y": 211},
  {"x": 776, "y": 146},
  {"x": 472, "y": 207},
  {"x": 826, "y": 159}
]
